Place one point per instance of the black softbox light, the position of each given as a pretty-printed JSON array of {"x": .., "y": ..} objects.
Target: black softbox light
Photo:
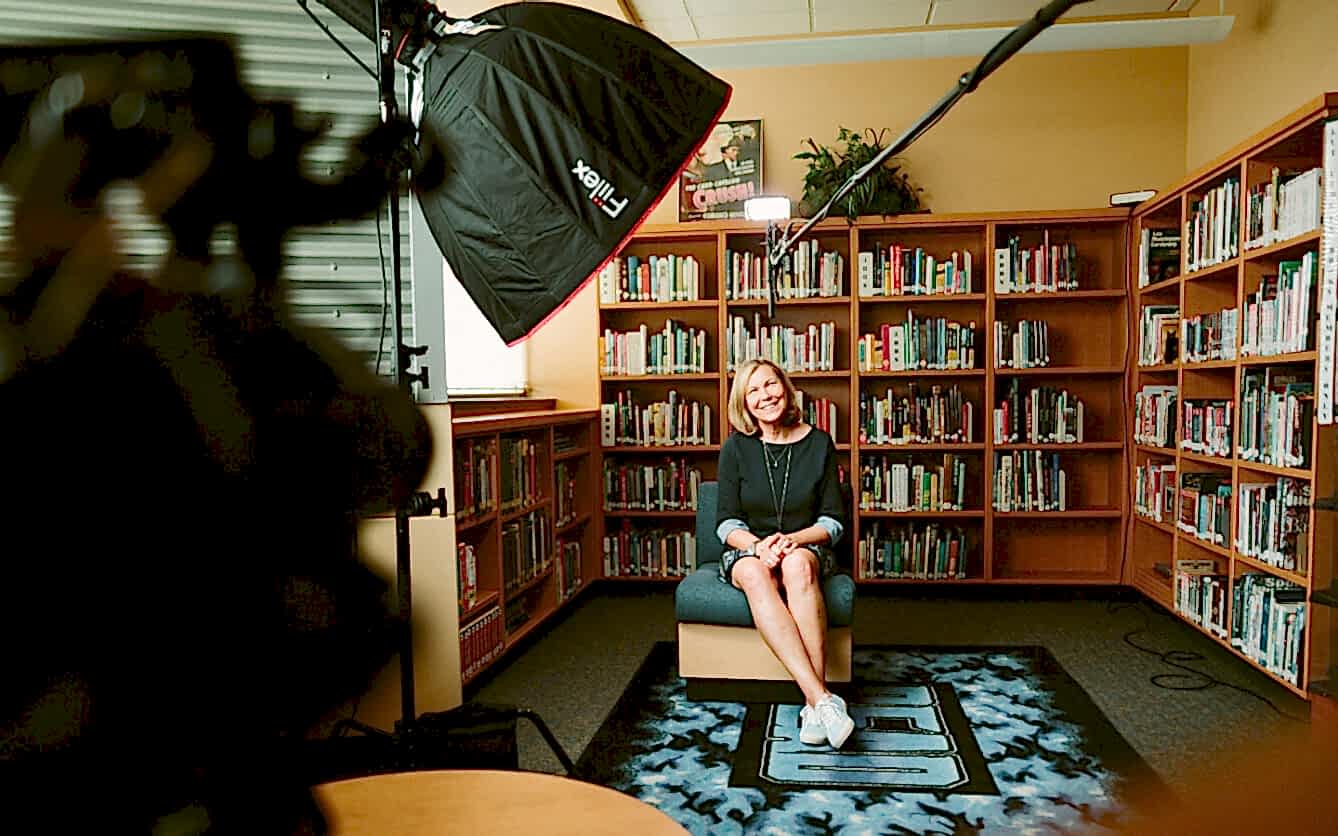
[{"x": 560, "y": 129}]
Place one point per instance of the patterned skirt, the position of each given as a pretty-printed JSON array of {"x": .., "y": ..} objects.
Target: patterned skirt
[{"x": 826, "y": 561}]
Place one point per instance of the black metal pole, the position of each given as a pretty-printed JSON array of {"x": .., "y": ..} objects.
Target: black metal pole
[
  {"x": 389, "y": 111},
  {"x": 1019, "y": 37}
]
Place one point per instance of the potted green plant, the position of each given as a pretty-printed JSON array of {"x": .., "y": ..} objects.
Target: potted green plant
[{"x": 888, "y": 190}]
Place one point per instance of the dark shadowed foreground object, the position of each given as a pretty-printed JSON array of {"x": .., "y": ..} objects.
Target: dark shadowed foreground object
[
  {"x": 182, "y": 463},
  {"x": 560, "y": 130}
]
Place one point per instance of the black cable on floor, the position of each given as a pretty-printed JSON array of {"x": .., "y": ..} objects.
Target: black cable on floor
[{"x": 1197, "y": 679}]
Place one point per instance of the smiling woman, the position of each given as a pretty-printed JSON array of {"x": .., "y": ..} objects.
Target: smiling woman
[{"x": 780, "y": 512}]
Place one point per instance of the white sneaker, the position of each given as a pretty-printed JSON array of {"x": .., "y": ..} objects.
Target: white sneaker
[
  {"x": 831, "y": 711},
  {"x": 811, "y": 729}
]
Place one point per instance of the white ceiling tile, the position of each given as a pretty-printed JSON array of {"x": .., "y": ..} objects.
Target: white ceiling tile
[
  {"x": 672, "y": 29},
  {"x": 699, "y": 8},
  {"x": 658, "y": 8},
  {"x": 948, "y": 12},
  {"x": 847, "y": 15},
  {"x": 711, "y": 27}
]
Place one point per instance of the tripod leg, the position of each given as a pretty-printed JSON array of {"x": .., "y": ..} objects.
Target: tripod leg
[{"x": 549, "y": 738}]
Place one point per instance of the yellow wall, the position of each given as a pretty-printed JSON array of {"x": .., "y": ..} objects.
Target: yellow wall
[
  {"x": 1279, "y": 55},
  {"x": 1050, "y": 131}
]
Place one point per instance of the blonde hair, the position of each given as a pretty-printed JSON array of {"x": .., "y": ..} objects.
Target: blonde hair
[{"x": 739, "y": 417}]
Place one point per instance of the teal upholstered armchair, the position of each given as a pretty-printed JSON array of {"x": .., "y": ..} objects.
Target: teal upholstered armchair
[{"x": 716, "y": 636}]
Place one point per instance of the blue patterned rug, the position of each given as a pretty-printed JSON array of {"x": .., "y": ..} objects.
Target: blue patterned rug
[{"x": 947, "y": 740}]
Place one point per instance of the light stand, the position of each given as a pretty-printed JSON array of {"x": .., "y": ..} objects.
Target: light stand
[{"x": 1001, "y": 52}]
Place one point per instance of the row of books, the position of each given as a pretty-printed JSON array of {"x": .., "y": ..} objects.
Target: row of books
[
  {"x": 1042, "y": 415},
  {"x": 818, "y": 412},
  {"x": 1201, "y": 594},
  {"x": 475, "y": 469},
  {"x": 1268, "y": 622},
  {"x": 1155, "y": 415},
  {"x": 924, "y": 551},
  {"x": 918, "y": 343},
  {"x": 886, "y": 485},
  {"x": 568, "y": 569},
  {"x": 1276, "y": 407},
  {"x": 648, "y": 553},
  {"x": 1154, "y": 491},
  {"x": 526, "y": 549},
  {"x": 1206, "y": 427},
  {"x": 1273, "y": 521},
  {"x": 1277, "y": 315},
  {"x": 1284, "y": 206},
  {"x": 896, "y": 270},
  {"x": 674, "y": 350},
  {"x": 1205, "y": 507},
  {"x": 565, "y": 505},
  {"x": 1158, "y": 255},
  {"x": 466, "y": 576},
  {"x": 519, "y": 473},
  {"x": 654, "y": 278},
  {"x": 1156, "y": 325},
  {"x": 810, "y": 348},
  {"x": 932, "y": 416},
  {"x": 1212, "y": 229},
  {"x": 1029, "y": 480},
  {"x": 1210, "y": 336},
  {"x": 667, "y": 486},
  {"x": 481, "y": 641},
  {"x": 1022, "y": 345},
  {"x": 670, "y": 423},
  {"x": 807, "y": 272},
  {"x": 1045, "y": 267}
]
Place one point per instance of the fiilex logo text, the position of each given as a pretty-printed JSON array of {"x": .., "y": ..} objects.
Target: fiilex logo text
[{"x": 601, "y": 191}]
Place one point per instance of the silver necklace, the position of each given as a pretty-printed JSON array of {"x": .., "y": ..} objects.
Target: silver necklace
[{"x": 771, "y": 481}]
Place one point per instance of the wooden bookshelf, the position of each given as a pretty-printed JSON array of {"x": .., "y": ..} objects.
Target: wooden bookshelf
[
  {"x": 1292, "y": 145},
  {"x": 1089, "y": 335},
  {"x": 527, "y": 471}
]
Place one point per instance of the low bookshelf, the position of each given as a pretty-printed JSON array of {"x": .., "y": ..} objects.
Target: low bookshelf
[
  {"x": 909, "y": 339},
  {"x": 1234, "y": 451},
  {"x": 526, "y": 524}
]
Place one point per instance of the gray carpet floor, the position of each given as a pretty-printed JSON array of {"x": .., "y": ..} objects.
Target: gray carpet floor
[{"x": 573, "y": 673}]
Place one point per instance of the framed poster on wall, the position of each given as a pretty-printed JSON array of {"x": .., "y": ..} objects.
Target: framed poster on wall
[{"x": 726, "y": 171}]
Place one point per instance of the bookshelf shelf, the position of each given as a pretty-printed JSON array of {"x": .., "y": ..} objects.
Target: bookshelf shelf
[
  {"x": 658, "y": 378},
  {"x": 922, "y": 298},
  {"x": 698, "y": 305},
  {"x": 1083, "y": 447},
  {"x": 486, "y": 598},
  {"x": 1221, "y": 272},
  {"x": 935, "y": 581},
  {"x": 663, "y": 448},
  {"x": 1070, "y": 514},
  {"x": 1060, "y": 578},
  {"x": 530, "y": 583},
  {"x": 1284, "y": 248},
  {"x": 652, "y": 515},
  {"x": 1060, "y": 371},
  {"x": 1112, "y": 294},
  {"x": 578, "y": 453},
  {"x": 1282, "y": 165},
  {"x": 1208, "y": 365},
  {"x": 572, "y": 525},
  {"x": 975, "y": 446},
  {"x": 1157, "y": 524},
  {"x": 1280, "y": 359},
  {"x": 1211, "y": 461},
  {"x": 1274, "y": 470},
  {"x": 811, "y": 301},
  {"x": 1286, "y": 574},
  {"x": 475, "y": 520},
  {"x": 926, "y": 373},
  {"x": 1156, "y": 451},
  {"x": 1206, "y": 545},
  {"x": 1160, "y": 368},
  {"x": 526, "y": 509},
  {"x": 968, "y": 514}
]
